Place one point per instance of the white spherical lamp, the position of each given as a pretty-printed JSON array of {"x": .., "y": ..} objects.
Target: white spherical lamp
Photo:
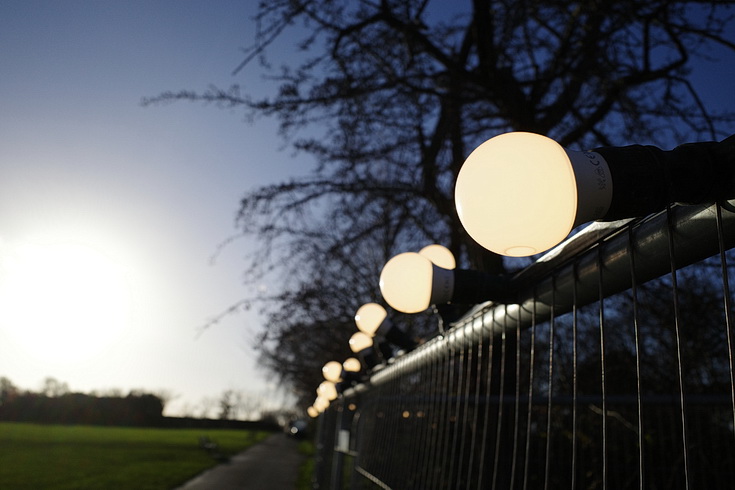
[
  {"x": 328, "y": 390},
  {"x": 332, "y": 371},
  {"x": 370, "y": 317},
  {"x": 410, "y": 283},
  {"x": 352, "y": 365},
  {"x": 321, "y": 404},
  {"x": 439, "y": 255},
  {"x": 360, "y": 341},
  {"x": 519, "y": 194}
]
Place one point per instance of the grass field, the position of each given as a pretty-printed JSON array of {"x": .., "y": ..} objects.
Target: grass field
[{"x": 84, "y": 457}]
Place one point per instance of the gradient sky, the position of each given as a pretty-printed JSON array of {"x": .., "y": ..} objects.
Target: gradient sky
[
  {"x": 110, "y": 212},
  {"x": 120, "y": 207}
]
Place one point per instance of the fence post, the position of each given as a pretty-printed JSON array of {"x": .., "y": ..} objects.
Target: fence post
[{"x": 342, "y": 441}]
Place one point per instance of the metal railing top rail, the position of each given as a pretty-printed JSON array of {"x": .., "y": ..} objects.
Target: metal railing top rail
[{"x": 548, "y": 286}]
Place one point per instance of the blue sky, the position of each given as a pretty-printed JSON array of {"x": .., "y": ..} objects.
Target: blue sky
[
  {"x": 147, "y": 193},
  {"x": 154, "y": 190}
]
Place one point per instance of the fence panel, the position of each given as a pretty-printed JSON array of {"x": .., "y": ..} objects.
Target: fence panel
[{"x": 613, "y": 370}]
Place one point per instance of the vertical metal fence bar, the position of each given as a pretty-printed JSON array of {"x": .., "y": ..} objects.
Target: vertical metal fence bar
[
  {"x": 320, "y": 453},
  {"x": 458, "y": 435},
  {"x": 677, "y": 330},
  {"x": 400, "y": 435},
  {"x": 550, "y": 388},
  {"x": 446, "y": 422},
  {"x": 470, "y": 416},
  {"x": 425, "y": 444},
  {"x": 356, "y": 443},
  {"x": 471, "y": 471},
  {"x": 728, "y": 308},
  {"x": 417, "y": 406},
  {"x": 378, "y": 434},
  {"x": 413, "y": 403},
  {"x": 437, "y": 417},
  {"x": 526, "y": 463},
  {"x": 636, "y": 333},
  {"x": 500, "y": 405},
  {"x": 337, "y": 456},
  {"x": 602, "y": 367},
  {"x": 516, "y": 404},
  {"x": 370, "y": 454},
  {"x": 430, "y": 414},
  {"x": 441, "y": 422},
  {"x": 464, "y": 424},
  {"x": 573, "y": 479},
  {"x": 454, "y": 418},
  {"x": 372, "y": 441},
  {"x": 404, "y": 436},
  {"x": 362, "y": 440},
  {"x": 486, "y": 412},
  {"x": 429, "y": 390},
  {"x": 389, "y": 423}
]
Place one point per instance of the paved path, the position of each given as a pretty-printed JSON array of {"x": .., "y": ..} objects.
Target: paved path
[{"x": 270, "y": 465}]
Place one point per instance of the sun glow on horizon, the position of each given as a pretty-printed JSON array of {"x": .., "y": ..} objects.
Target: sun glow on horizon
[{"x": 62, "y": 301}]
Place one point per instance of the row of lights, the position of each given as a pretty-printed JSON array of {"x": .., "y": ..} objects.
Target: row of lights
[
  {"x": 410, "y": 283},
  {"x": 519, "y": 194}
]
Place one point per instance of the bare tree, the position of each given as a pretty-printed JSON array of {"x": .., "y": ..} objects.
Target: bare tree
[
  {"x": 7, "y": 390},
  {"x": 166, "y": 396},
  {"x": 249, "y": 405},
  {"x": 227, "y": 405},
  {"x": 52, "y": 387},
  {"x": 389, "y": 98},
  {"x": 206, "y": 407}
]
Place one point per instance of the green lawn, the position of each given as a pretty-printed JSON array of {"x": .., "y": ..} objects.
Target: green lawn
[{"x": 66, "y": 457}]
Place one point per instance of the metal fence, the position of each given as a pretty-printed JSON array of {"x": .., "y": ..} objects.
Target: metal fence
[{"x": 614, "y": 369}]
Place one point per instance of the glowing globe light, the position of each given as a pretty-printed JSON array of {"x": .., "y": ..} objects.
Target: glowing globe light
[
  {"x": 332, "y": 371},
  {"x": 439, "y": 255},
  {"x": 352, "y": 365},
  {"x": 370, "y": 317},
  {"x": 321, "y": 404},
  {"x": 362, "y": 345},
  {"x": 360, "y": 341},
  {"x": 327, "y": 390},
  {"x": 519, "y": 194},
  {"x": 312, "y": 412},
  {"x": 410, "y": 283}
]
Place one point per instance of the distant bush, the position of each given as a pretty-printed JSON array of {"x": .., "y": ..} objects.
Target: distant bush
[
  {"x": 194, "y": 423},
  {"x": 78, "y": 408}
]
